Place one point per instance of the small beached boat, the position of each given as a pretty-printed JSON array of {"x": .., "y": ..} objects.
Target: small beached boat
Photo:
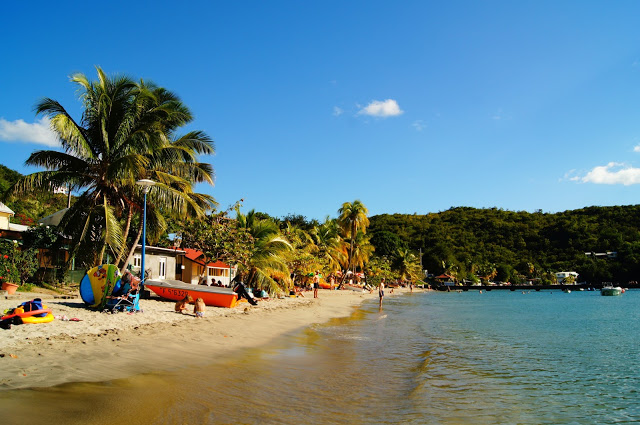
[
  {"x": 611, "y": 290},
  {"x": 176, "y": 290}
]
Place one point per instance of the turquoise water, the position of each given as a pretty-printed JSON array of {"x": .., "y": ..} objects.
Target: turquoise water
[{"x": 500, "y": 357}]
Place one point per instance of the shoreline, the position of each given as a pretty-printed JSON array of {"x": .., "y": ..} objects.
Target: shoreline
[{"x": 104, "y": 347}]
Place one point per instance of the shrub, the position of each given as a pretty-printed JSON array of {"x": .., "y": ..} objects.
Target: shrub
[{"x": 8, "y": 262}]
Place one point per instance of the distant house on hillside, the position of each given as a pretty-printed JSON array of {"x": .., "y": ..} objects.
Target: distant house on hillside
[
  {"x": 194, "y": 267},
  {"x": 566, "y": 277}
]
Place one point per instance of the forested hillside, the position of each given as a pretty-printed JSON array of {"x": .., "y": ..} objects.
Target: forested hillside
[
  {"x": 470, "y": 242},
  {"x": 28, "y": 209}
]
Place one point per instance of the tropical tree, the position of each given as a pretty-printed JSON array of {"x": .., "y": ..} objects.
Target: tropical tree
[
  {"x": 362, "y": 250},
  {"x": 301, "y": 259},
  {"x": 352, "y": 218},
  {"x": 218, "y": 237},
  {"x": 406, "y": 264},
  {"x": 268, "y": 259},
  {"x": 127, "y": 132},
  {"x": 332, "y": 250}
]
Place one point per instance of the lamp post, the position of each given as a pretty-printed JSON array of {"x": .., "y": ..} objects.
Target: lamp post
[{"x": 146, "y": 187}]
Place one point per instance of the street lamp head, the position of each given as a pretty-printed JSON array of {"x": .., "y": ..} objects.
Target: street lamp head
[{"x": 146, "y": 184}]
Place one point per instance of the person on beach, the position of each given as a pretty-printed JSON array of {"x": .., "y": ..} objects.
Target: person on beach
[
  {"x": 242, "y": 292},
  {"x": 381, "y": 291},
  {"x": 198, "y": 308},
  {"x": 181, "y": 306},
  {"x": 316, "y": 284}
]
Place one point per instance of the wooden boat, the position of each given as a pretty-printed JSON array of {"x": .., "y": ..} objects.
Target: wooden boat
[
  {"x": 611, "y": 290},
  {"x": 177, "y": 290}
]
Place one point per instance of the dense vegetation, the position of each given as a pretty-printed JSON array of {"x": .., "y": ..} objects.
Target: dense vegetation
[
  {"x": 511, "y": 246},
  {"x": 29, "y": 209},
  {"x": 468, "y": 243}
]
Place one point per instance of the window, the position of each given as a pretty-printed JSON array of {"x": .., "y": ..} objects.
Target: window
[
  {"x": 137, "y": 260},
  {"x": 218, "y": 272}
]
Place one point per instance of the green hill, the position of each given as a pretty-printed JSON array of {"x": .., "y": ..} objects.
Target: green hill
[
  {"x": 30, "y": 208},
  {"x": 470, "y": 241}
]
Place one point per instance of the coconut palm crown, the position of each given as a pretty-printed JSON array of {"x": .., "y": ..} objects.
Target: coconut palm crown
[{"x": 127, "y": 132}]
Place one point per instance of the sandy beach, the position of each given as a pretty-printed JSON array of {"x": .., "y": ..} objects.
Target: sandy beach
[{"x": 103, "y": 346}]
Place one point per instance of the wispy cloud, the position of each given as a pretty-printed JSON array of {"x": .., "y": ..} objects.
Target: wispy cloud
[
  {"x": 612, "y": 173},
  {"x": 419, "y": 125},
  {"x": 337, "y": 111},
  {"x": 19, "y": 131},
  {"x": 636, "y": 148},
  {"x": 382, "y": 108},
  {"x": 500, "y": 115}
]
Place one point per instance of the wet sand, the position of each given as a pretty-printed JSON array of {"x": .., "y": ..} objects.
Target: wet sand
[{"x": 104, "y": 346}]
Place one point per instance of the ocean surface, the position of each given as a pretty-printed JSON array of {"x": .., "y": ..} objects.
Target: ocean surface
[{"x": 497, "y": 357}]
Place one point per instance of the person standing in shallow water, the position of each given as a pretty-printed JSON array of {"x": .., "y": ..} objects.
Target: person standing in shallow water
[
  {"x": 316, "y": 284},
  {"x": 381, "y": 291}
]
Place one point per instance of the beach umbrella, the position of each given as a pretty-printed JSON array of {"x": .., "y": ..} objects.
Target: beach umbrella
[{"x": 98, "y": 284}]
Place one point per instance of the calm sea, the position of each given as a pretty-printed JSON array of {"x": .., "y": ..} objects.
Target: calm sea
[{"x": 500, "y": 357}]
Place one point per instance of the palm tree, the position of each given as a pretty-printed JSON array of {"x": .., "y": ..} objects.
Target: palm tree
[
  {"x": 353, "y": 217},
  {"x": 268, "y": 258},
  {"x": 362, "y": 250},
  {"x": 406, "y": 264},
  {"x": 331, "y": 248},
  {"x": 127, "y": 132}
]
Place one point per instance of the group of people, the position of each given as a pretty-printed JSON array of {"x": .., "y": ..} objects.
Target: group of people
[
  {"x": 198, "y": 306},
  {"x": 203, "y": 281}
]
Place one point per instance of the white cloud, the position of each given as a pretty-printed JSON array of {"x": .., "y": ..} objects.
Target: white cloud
[
  {"x": 612, "y": 173},
  {"x": 419, "y": 125},
  {"x": 636, "y": 148},
  {"x": 337, "y": 111},
  {"x": 19, "y": 131},
  {"x": 384, "y": 109}
]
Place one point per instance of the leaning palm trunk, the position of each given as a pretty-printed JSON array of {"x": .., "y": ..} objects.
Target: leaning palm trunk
[
  {"x": 126, "y": 234},
  {"x": 132, "y": 250}
]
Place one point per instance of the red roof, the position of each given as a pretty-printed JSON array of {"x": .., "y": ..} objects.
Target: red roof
[
  {"x": 444, "y": 276},
  {"x": 196, "y": 256}
]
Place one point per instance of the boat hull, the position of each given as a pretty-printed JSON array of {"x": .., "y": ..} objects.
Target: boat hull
[
  {"x": 611, "y": 291},
  {"x": 176, "y": 290}
]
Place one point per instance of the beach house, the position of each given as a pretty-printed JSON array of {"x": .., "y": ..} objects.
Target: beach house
[
  {"x": 9, "y": 230},
  {"x": 160, "y": 263},
  {"x": 566, "y": 278},
  {"x": 194, "y": 266}
]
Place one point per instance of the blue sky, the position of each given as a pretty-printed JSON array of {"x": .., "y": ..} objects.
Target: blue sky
[{"x": 408, "y": 106}]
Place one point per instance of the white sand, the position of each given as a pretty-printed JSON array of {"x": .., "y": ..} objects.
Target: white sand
[{"x": 104, "y": 346}]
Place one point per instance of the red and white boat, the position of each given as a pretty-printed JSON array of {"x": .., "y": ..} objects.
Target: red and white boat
[{"x": 176, "y": 290}]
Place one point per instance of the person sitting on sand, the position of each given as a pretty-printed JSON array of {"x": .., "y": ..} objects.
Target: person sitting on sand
[
  {"x": 181, "y": 306},
  {"x": 242, "y": 292},
  {"x": 198, "y": 308}
]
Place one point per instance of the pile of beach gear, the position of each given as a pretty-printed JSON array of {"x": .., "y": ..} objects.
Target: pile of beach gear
[{"x": 33, "y": 311}]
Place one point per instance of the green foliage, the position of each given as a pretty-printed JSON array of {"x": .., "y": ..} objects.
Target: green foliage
[
  {"x": 522, "y": 245},
  {"x": 299, "y": 221},
  {"x": 387, "y": 243},
  {"x": 28, "y": 209},
  {"x": 26, "y": 287},
  {"x": 44, "y": 237},
  {"x": 9, "y": 257},
  {"x": 218, "y": 238},
  {"x": 7, "y": 178}
]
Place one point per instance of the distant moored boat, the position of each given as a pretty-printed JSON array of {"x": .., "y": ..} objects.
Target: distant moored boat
[{"x": 611, "y": 290}]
